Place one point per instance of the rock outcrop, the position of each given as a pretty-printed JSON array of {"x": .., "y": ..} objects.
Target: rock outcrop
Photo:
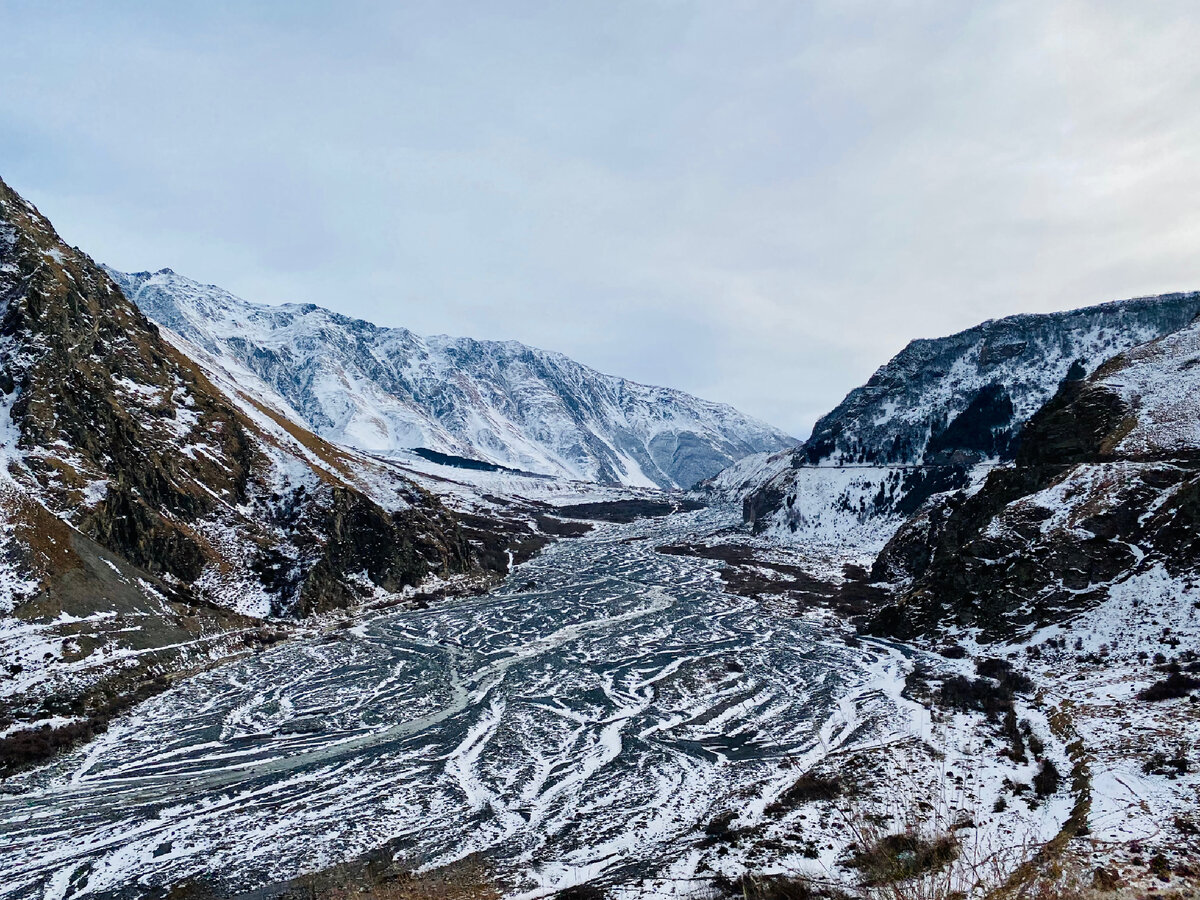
[
  {"x": 1105, "y": 487},
  {"x": 163, "y": 511},
  {"x": 935, "y": 418}
]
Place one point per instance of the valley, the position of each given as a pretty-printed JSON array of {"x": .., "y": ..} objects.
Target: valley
[
  {"x": 588, "y": 721},
  {"x": 283, "y": 592}
]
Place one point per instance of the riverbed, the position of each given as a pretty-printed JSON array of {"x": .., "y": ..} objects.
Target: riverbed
[{"x": 588, "y": 718}]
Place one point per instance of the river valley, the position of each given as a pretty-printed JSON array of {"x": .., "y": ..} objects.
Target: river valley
[{"x": 588, "y": 718}]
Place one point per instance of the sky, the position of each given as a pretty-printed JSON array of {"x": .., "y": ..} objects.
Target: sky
[{"x": 756, "y": 202}]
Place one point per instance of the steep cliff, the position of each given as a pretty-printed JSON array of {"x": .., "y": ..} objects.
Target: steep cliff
[
  {"x": 1104, "y": 491},
  {"x": 935, "y": 418},
  {"x": 158, "y": 510}
]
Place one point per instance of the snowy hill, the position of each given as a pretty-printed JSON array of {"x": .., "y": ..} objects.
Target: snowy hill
[
  {"x": 1103, "y": 496},
  {"x": 387, "y": 389},
  {"x": 150, "y": 515},
  {"x": 934, "y": 418}
]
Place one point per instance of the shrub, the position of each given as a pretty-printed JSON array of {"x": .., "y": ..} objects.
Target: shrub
[
  {"x": 768, "y": 887},
  {"x": 1047, "y": 780},
  {"x": 1002, "y": 670},
  {"x": 581, "y": 892},
  {"x": 1172, "y": 687},
  {"x": 1174, "y": 766},
  {"x": 719, "y": 830},
  {"x": 1016, "y": 749},
  {"x": 1185, "y": 824},
  {"x": 1106, "y": 880},
  {"x": 30, "y": 746},
  {"x": 1159, "y": 867},
  {"x": 981, "y": 694},
  {"x": 900, "y": 857},
  {"x": 808, "y": 787}
]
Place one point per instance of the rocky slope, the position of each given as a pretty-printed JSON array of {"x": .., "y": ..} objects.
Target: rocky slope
[
  {"x": 1104, "y": 494},
  {"x": 934, "y": 418},
  {"x": 147, "y": 514},
  {"x": 1079, "y": 565},
  {"x": 386, "y": 389}
]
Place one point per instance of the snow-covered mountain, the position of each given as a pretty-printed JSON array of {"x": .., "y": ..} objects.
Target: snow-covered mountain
[
  {"x": 934, "y": 418},
  {"x": 1102, "y": 502},
  {"x": 153, "y": 513},
  {"x": 387, "y": 389}
]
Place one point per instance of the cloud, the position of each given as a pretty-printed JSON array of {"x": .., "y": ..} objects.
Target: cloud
[{"x": 755, "y": 202}]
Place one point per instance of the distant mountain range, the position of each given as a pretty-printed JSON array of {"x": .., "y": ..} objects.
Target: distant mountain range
[{"x": 388, "y": 389}]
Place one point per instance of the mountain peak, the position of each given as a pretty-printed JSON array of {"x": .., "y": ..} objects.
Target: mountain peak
[{"x": 387, "y": 389}]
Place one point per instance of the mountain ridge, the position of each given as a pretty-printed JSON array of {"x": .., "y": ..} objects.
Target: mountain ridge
[
  {"x": 151, "y": 520},
  {"x": 934, "y": 418},
  {"x": 385, "y": 389},
  {"x": 1104, "y": 490}
]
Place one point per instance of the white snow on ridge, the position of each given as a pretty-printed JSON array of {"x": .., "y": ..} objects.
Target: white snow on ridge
[
  {"x": 960, "y": 402},
  {"x": 1160, "y": 381},
  {"x": 385, "y": 389}
]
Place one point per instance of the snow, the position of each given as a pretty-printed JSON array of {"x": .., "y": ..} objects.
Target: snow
[
  {"x": 16, "y": 583},
  {"x": 915, "y": 395},
  {"x": 1103, "y": 661},
  {"x": 1160, "y": 381},
  {"x": 388, "y": 389}
]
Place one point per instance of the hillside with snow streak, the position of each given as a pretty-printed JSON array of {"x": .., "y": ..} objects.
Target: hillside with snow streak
[
  {"x": 387, "y": 389},
  {"x": 935, "y": 418}
]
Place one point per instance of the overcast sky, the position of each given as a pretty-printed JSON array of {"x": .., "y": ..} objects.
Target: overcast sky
[{"x": 755, "y": 202}]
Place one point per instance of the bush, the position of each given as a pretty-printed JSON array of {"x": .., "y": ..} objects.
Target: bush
[
  {"x": 1172, "y": 687},
  {"x": 1003, "y": 671},
  {"x": 768, "y": 887},
  {"x": 1174, "y": 766},
  {"x": 979, "y": 694},
  {"x": 28, "y": 747},
  {"x": 1036, "y": 746},
  {"x": 991, "y": 693},
  {"x": 581, "y": 892},
  {"x": 719, "y": 830},
  {"x": 900, "y": 857},
  {"x": 808, "y": 787},
  {"x": 1016, "y": 748},
  {"x": 1047, "y": 780}
]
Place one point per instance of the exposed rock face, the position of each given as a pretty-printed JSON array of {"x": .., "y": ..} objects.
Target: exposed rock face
[
  {"x": 935, "y": 418},
  {"x": 932, "y": 392},
  {"x": 133, "y": 486},
  {"x": 1105, "y": 486},
  {"x": 129, "y": 441},
  {"x": 384, "y": 389}
]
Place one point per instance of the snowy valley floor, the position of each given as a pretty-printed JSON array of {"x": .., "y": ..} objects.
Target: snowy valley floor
[{"x": 614, "y": 717}]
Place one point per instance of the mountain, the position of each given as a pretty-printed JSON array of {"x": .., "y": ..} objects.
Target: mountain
[
  {"x": 151, "y": 518},
  {"x": 936, "y": 417},
  {"x": 1102, "y": 501},
  {"x": 388, "y": 389}
]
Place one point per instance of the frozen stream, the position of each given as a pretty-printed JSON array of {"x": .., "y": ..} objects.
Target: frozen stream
[{"x": 591, "y": 722}]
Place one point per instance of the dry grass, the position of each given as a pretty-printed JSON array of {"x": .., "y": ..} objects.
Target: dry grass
[
  {"x": 374, "y": 876},
  {"x": 328, "y": 454},
  {"x": 47, "y": 536}
]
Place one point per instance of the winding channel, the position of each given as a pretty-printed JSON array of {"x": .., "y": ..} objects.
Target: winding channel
[{"x": 591, "y": 716}]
